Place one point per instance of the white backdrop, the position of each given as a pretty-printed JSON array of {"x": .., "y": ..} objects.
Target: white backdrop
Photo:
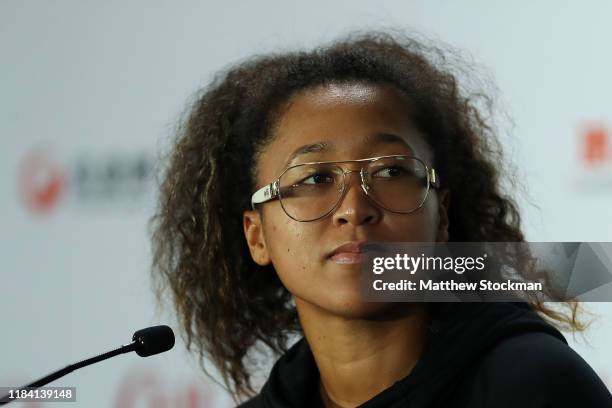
[{"x": 90, "y": 92}]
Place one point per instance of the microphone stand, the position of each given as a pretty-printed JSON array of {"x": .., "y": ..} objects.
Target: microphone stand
[
  {"x": 146, "y": 342},
  {"x": 5, "y": 399}
]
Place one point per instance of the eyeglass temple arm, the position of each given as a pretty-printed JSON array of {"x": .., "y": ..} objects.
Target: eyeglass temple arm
[
  {"x": 264, "y": 194},
  {"x": 433, "y": 178}
]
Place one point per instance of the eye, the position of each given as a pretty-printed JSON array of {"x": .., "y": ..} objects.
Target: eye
[
  {"x": 316, "y": 179},
  {"x": 391, "y": 172}
]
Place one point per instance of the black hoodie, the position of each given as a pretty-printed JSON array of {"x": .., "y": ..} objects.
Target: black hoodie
[{"x": 476, "y": 355}]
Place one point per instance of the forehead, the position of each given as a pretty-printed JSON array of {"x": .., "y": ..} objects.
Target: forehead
[{"x": 343, "y": 122}]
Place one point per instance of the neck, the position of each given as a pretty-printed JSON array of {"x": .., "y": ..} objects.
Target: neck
[{"x": 359, "y": 358}]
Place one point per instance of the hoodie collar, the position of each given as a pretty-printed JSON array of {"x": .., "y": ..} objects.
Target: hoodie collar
[{"x": 459, "y": 335}]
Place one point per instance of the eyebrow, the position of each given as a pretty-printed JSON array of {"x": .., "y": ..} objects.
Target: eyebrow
[{"x": 324, "y": 147}]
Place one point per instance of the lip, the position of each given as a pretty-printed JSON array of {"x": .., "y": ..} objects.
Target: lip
[
  {"x": 352, "y": 247},
  {"x": 348, "y": 253},
  {"x": 347, "y": 258},
  {"x": 353, "y": 251}
]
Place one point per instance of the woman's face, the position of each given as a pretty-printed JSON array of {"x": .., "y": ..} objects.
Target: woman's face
[{"x": 346, "y": 118}]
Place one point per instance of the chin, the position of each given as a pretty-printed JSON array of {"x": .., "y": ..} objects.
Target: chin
[
  {"x": 352, "y": 307},
  {"x": 338, "y": 293}
]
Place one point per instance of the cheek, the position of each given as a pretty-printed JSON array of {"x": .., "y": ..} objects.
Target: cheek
[
  {"x": 420, "y": 226},
  {"x": 291, "y": 245}
]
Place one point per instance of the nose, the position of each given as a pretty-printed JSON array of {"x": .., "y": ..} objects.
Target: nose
[{"x": 355, "y": 207}]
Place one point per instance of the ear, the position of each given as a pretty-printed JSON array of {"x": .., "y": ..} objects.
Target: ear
[
  {"x": 253, "y": 232},
  {"x": 443, "y": 207}
]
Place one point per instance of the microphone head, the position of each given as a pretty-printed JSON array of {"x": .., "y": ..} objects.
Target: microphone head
[{"x": 153, "y": 340}]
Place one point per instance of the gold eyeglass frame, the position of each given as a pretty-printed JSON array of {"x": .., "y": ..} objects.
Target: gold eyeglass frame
[{"x": 272, "y": 191}]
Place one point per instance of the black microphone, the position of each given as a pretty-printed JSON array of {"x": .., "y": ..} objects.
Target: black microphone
[{"x": 145, "y": 342}]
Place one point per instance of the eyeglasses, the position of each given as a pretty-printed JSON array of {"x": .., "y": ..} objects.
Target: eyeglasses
[{"x": 311, "y": 191}]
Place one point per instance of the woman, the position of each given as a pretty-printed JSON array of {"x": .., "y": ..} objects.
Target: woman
[{"x": 252, "y": 260}]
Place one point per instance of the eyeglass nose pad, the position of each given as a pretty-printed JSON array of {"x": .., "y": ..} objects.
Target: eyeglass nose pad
[
  {"x": 364, "y": 184},
  {"x": 343, "y": 187}
]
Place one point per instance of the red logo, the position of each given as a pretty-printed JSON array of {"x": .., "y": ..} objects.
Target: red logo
[
  {"x": 143, "y": 388},
  {"x": 596, "y": 145},
  {"x": 41, "y": 181}
]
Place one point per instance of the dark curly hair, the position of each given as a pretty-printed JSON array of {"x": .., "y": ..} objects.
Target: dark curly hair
[{"x": 225, "y": 306}]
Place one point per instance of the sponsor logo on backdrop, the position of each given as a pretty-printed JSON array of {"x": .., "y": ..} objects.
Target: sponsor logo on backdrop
[
  {"x": 595, "y": 159},
  {"x": 147, "y": 388},
  {"x": 597, "y": 146},
  {"x": 48, "y": 181},
  {"x": 142, "y": 387},
  {"x": 41, "y": 181}
]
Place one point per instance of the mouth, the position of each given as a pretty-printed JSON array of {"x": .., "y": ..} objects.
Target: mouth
[
  {"x": 351, "y": 252},
  {"x": 347, "y": 258}
]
